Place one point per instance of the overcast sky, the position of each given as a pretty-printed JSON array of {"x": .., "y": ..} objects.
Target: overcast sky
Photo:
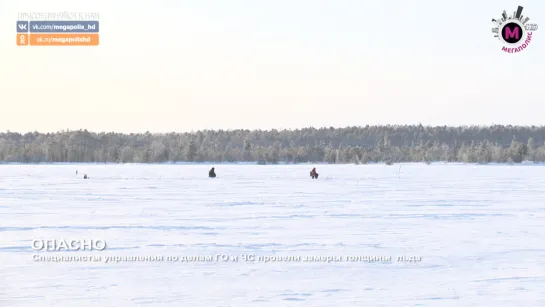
[{"x": 180, "y": 65}]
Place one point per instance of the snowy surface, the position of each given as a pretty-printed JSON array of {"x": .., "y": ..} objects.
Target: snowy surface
[{"x": 479, "y": 232}]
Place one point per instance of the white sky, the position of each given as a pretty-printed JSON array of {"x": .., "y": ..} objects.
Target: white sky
[{"x": 180, "y": 65}]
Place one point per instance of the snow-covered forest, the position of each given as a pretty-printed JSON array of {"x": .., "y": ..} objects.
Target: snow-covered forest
[{"x": 382, "y": 144}]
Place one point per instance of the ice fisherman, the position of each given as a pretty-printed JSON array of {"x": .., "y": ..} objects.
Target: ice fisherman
[
  {"x": 212, "y": 173},
  {"x": 313, "y": 174}
]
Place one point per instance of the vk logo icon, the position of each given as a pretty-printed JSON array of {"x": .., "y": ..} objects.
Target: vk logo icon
[{"x": 22, "y": 26}]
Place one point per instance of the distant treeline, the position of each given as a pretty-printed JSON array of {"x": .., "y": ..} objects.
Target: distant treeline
[{"x": 382, "y": 144}]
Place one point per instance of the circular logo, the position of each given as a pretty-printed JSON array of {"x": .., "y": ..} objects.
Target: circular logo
[{"x": 512, "y": 32}]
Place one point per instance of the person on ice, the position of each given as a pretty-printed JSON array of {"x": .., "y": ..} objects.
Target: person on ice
[
  {"x": 212, "y": 173},
  {"x": 313, "y": 174},
  {"x": 85, "y": 176}
]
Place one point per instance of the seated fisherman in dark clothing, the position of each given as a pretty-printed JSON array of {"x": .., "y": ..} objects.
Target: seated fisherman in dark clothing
[
  {"x": 211, "y": 173},
  {"x": 313, "y": 174},
  {"x": 85, "y": 176}
]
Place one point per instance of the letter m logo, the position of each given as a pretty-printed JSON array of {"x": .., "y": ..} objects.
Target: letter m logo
[{"x": 512, "y": 33}]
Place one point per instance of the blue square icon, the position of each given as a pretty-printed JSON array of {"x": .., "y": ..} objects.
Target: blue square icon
[{"x": 22, "y": 26}]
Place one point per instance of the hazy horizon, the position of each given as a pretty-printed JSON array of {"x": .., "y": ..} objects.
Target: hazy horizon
[
  {"x": 181, "y": 66},
  {"x": 277, "y": 129}
]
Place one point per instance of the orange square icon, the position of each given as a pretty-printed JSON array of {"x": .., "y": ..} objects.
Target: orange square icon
[{"x": 22, "y": 39}]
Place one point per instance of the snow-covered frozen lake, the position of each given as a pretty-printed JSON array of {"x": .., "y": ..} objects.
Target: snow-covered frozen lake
[{"x": 439, "y": 235}]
